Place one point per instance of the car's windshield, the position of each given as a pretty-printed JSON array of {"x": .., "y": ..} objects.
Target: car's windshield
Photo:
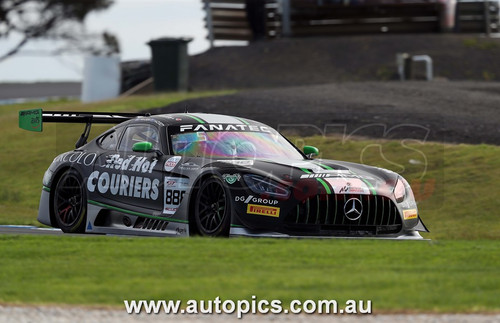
[{"x": 233, "y": 144}]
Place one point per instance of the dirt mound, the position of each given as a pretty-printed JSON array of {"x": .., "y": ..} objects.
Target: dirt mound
[
  {"x": 290, "y": 62},
  {"x": 439, "y": 111}
]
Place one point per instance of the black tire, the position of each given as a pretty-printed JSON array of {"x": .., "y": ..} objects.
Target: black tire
[
  {"x": 212, "y": 208},
  {"x": 70, "y": 202}
]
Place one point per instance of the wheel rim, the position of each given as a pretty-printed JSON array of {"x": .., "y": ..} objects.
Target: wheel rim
[
  {"x": 211, "y": 207},
  {"x": 68, "y": 200}
]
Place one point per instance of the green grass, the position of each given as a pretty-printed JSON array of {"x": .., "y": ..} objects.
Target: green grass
[
  {"x": 482, "y": 44},
  {"x": 396, "y": 275}
]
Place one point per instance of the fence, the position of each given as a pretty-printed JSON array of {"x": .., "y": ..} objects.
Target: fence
[
  {"x": 229, "y": 19},
  {"x": 477, "y": 17}
]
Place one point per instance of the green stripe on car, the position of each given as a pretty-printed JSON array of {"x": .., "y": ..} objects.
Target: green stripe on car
[
  {"x": 196, "y": 118},
  {"x": 370, "y": 186},
  {"x": 325, "y": 184},
  {"x": 325, "y": 166},
  {"x": 243, "y": 120}
]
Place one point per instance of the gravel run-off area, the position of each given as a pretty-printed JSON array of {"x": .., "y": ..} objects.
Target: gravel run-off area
[
  {"x": 46, "y": 314},
  {"x": 442, "y": 111}
]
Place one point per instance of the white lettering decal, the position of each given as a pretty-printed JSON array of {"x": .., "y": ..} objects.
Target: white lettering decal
[
  {"x": 131, "y": 186},
  {"x": 146, "y": 186},
  {"x": 90, "y": 181},
  {"x": 252, "y": 199},
  {"x": 115, "y": 184},
  {"x": 154, "y": 189},
  {"x": 186, "y": 127},
  {"x": 91, "y": 161},
  {"x": 145, "y": 166},
  {"x": 137, "y": 187},
  {"x": 122, "y": 185},
  {"x": 103, "y": 183},
  {"x": 216, "y": 127},
  {"x": 174, "y": 190},
  {"x": 224, "y": 127}
]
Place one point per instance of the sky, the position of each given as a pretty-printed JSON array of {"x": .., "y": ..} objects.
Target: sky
[{"x": 135, "y": 22}]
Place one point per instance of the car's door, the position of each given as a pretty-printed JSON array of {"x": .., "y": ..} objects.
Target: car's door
[{"x": 128, "y": 177}]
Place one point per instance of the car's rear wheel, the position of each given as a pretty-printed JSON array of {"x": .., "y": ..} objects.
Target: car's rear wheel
[
  {"x": 70, "y": 202},
  {"x": 212, "y": 209}
]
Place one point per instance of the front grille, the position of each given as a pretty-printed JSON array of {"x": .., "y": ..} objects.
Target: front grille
[{"x": 325, "y": 214}]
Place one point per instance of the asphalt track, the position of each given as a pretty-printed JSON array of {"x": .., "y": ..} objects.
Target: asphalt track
[
  {"x": 62, "y": 314},
  {"x": 27, "y": 229},
  {"x": 32, "y": 230},
  {"x": 39, "y": 89}
]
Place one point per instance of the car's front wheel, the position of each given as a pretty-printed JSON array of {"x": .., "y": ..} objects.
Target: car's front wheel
[
  {"x": 212, "y": 209},
  {"x": 70, "y": 202}
]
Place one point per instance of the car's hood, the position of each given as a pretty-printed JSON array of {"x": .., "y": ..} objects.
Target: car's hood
[{"x": 340, "y": 177}]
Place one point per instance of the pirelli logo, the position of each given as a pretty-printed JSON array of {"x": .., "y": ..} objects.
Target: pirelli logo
[
  {"x": 410, "y": 214},
  {"x": 263, "y": 210}
]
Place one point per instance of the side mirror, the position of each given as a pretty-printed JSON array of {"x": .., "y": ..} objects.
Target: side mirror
[
  {"x": 143, "y": 146},
  {"x": 311, "y": 151}
]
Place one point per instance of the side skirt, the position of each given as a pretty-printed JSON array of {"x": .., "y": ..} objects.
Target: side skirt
[{"x": 138, "y": 225}]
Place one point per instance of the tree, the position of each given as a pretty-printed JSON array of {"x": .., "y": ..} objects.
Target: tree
[{"x": 54, "y": 20}]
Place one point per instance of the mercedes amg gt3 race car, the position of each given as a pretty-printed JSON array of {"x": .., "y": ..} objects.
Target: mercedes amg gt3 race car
[{"x": 212, "y": 175}]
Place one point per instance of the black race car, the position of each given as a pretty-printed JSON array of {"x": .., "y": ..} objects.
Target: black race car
[{"x": 213, "y": 175}]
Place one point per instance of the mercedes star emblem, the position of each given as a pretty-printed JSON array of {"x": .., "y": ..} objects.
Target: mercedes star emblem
[{"x": 353, "y": 209}]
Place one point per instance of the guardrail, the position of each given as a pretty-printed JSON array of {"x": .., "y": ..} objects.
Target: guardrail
[
  {"x": 369, "y": 17},
  {"x": 232, "y": 19},
  {"x": 250, "y": 19},
  {"x": 477, "y": 17}
]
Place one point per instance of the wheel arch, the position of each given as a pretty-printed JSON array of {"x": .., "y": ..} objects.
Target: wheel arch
[
  {"x": 192, "y": 198},
  {"x": 55, "y": 179}
]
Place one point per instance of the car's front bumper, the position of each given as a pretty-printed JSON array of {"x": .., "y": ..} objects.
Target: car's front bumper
[{"x": 44, "y": 208}]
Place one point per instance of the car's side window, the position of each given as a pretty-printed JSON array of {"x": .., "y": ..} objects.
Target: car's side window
[
  {"x": 135, "y": 134},
  {"x": 109, "y": 141}
]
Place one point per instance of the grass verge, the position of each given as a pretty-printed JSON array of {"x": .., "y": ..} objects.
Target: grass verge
[{"x": 445, "y": 276}]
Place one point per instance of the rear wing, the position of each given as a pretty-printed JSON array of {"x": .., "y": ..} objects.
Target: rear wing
[{"x": 33, "y": 119}]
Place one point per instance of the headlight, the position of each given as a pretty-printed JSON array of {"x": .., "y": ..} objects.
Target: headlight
[
  {"x": 400, "y": 191},
  {"x": 261, "y": 185}
]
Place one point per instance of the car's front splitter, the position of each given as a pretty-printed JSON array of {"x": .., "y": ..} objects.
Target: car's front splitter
[{"x": 244, "y": 232}]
